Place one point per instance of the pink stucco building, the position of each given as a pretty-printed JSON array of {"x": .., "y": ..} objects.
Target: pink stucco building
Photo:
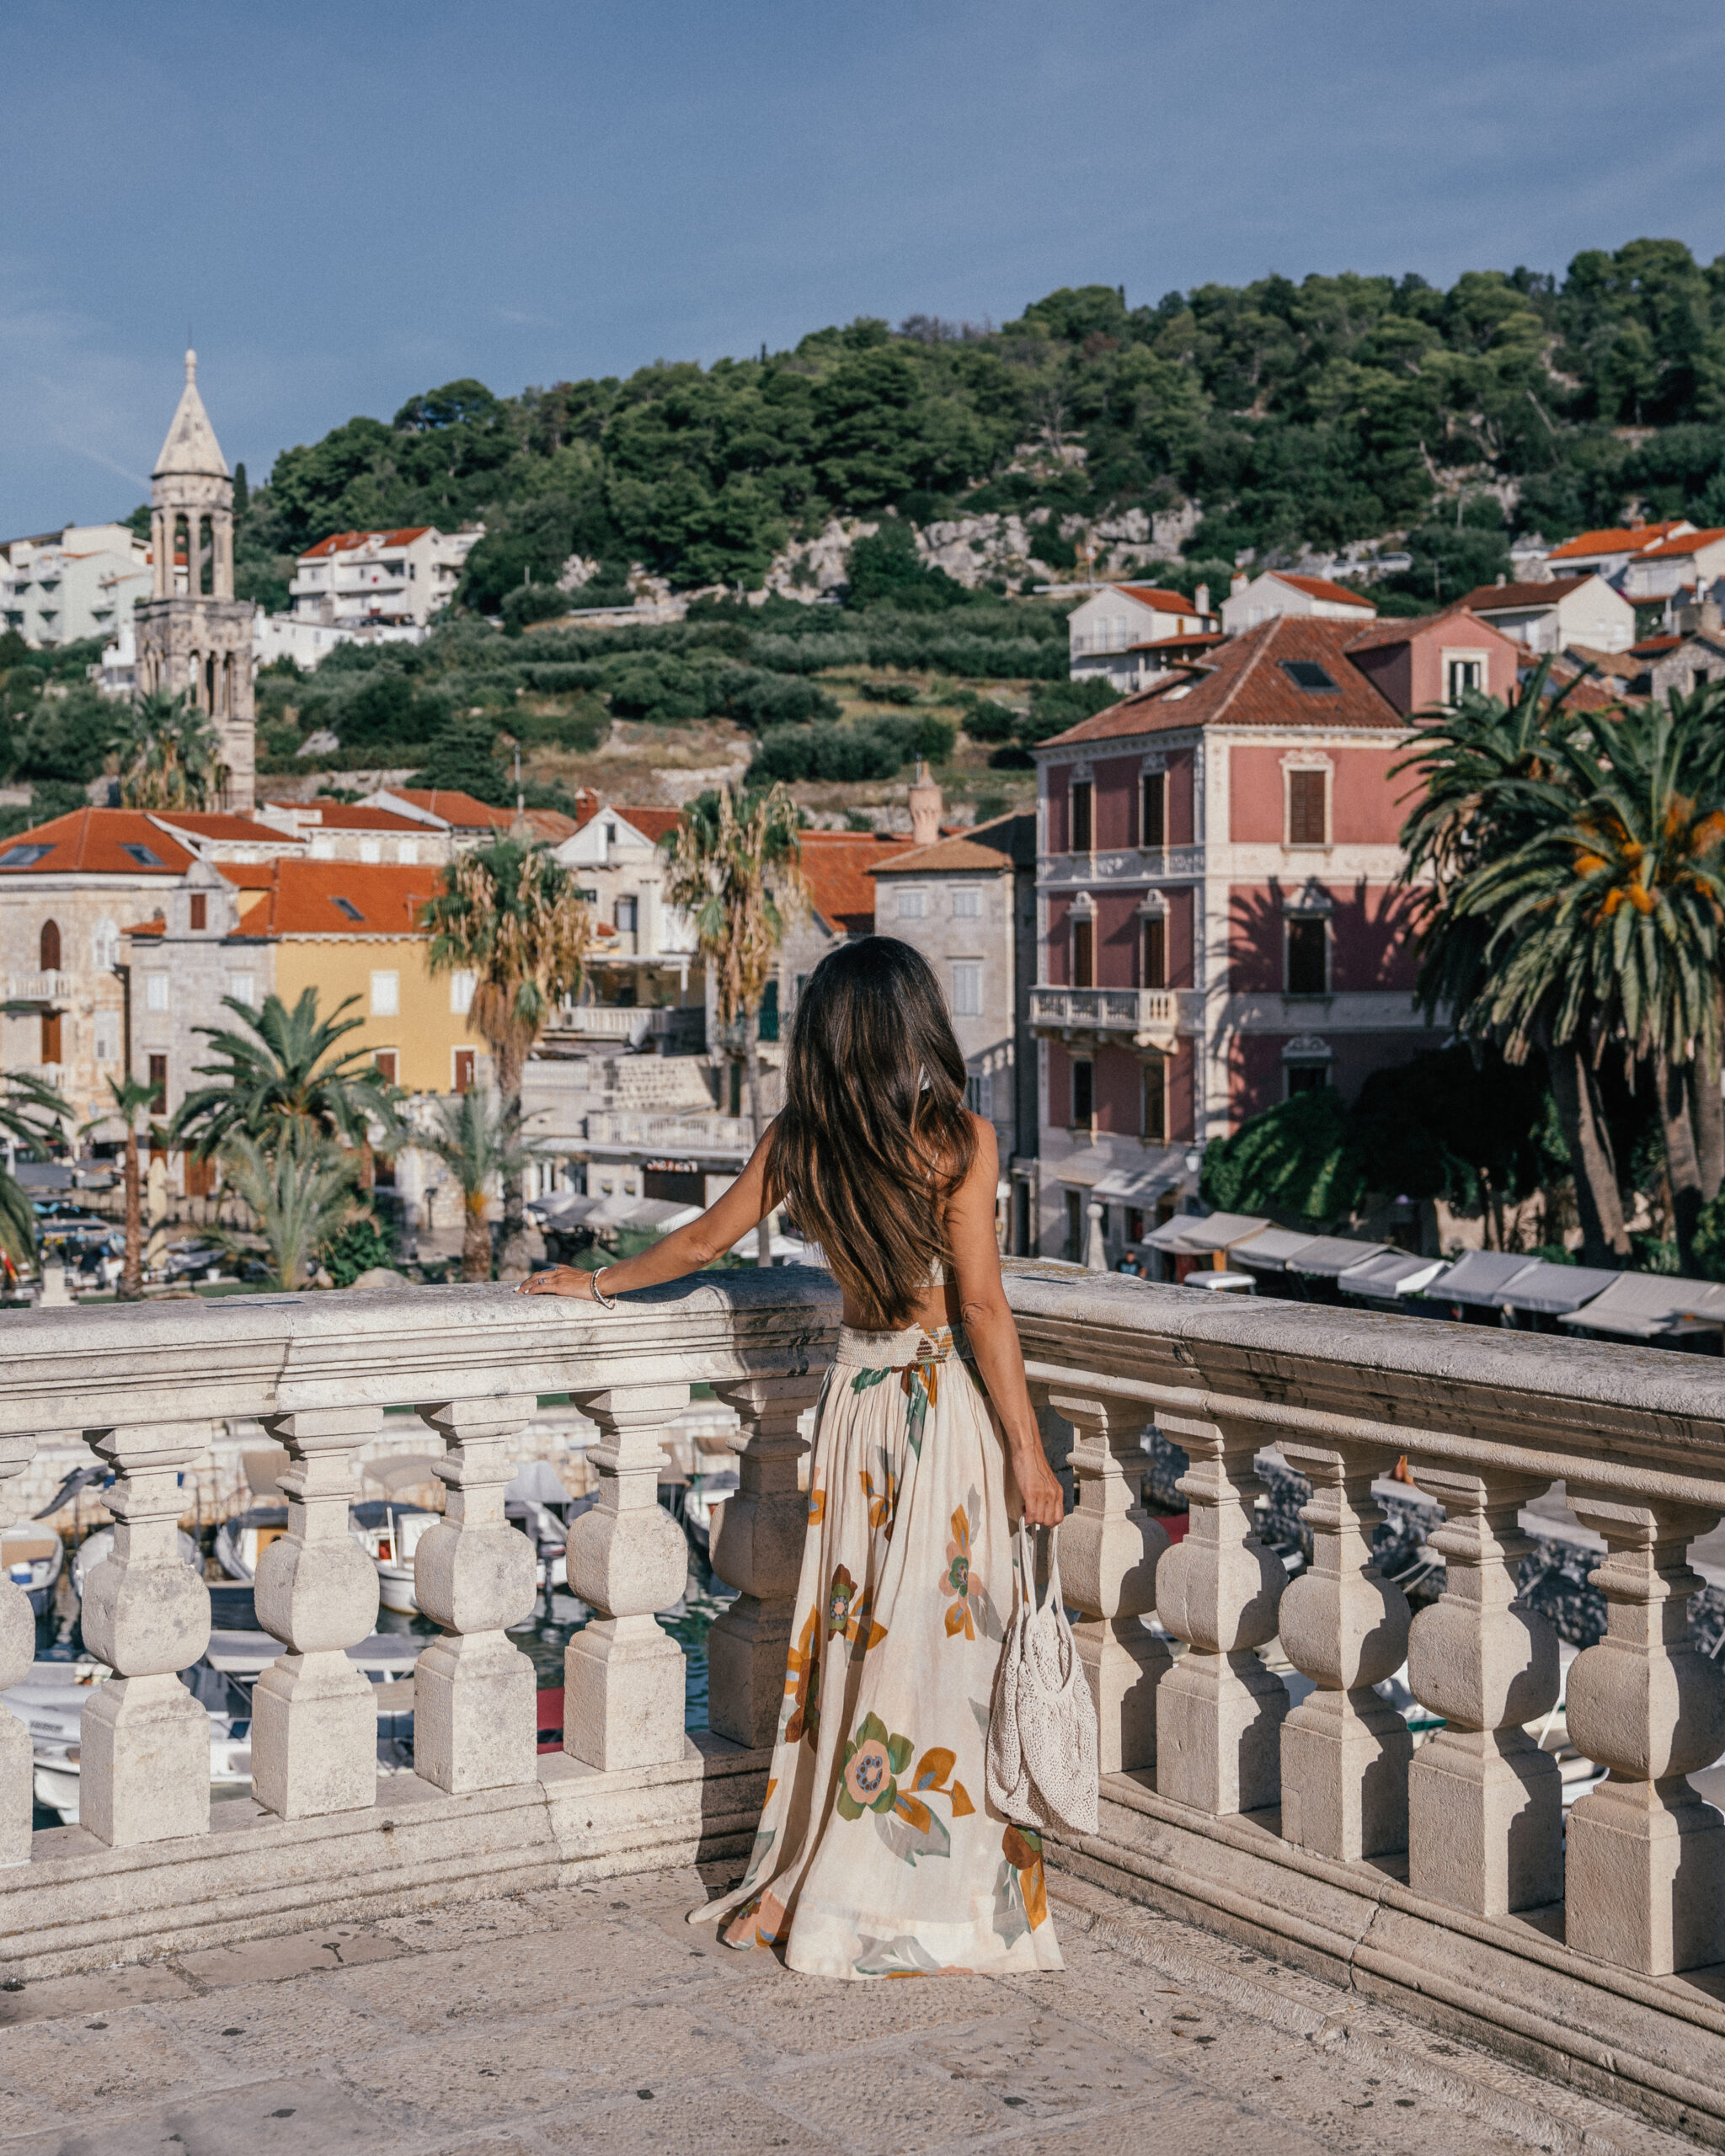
[{"x": 1220, "y": 917}]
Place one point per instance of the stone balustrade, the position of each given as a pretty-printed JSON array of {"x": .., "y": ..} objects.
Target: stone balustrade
[{"x": 1443, "y": 1874}]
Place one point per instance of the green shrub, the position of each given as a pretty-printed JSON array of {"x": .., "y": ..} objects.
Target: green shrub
[{"x": 362, "y": 1243}]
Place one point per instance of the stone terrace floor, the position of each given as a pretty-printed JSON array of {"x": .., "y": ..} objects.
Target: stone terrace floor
[{"x": 593, "y": 2019}]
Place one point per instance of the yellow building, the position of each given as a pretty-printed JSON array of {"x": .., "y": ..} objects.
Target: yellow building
[{"x": 349, "y": 928}]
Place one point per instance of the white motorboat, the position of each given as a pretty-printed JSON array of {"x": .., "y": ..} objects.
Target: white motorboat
[
  {"x": 537, "y": 1502},
  {"x": 240, "y": 1540},
  {"x": 390, "y": 1529}
]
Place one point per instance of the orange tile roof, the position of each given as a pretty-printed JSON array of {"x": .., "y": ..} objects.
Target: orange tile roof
[
  {"x": 323, "y": 898},
  {"x": 1162, "y": 602},
  {"x": 836, "y": 865},
  {"x": 1244, "y": 685},
  {"x": 460, "y": 810},
  {"x": 229, "y": 831},
  {"x": 1621, "y": 539},
  {"x": 350, "y": 816},
  {"x": 1685, "y": 542},
  {"x": 93, "y": 842},
  {"x": 343, "y": 542},
  {"x": 158, "y": 926},
  {"x": 1404, "y": 628},
  {"x": 1653, "y": 647},
  {"x": 651, "y": 823},
  {"x": 1484, "y": 596},
  {"x": 985, "y": 848},
  {"x": 1319, "y": 587}
]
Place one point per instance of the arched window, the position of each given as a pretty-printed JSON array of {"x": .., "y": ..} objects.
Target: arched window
[{"x": 51, "y": 946}]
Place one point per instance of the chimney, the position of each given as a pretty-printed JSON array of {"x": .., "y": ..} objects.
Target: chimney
[
  {"x": 1501, "y": 580},
  {"x": 1237, "y": 583},
  {"x": 1201, "y": 600},
  {"x": 926, "y": 805}
]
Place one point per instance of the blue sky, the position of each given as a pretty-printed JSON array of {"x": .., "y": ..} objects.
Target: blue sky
[{"x": 349, "y": 205}]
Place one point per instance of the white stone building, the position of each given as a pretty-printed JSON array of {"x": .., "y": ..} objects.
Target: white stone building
[
  {"x": 1685, "y": 564},
  {"x": 1127, "y": 633},
  {"x": 1253, "y": 599},
  {"x": 64, "y": 586},
  {"x": 1557, "y": 614},
  {"x": 401, "y": 577}
]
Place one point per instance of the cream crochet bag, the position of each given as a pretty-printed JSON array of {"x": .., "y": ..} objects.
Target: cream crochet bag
[{"x": 1042, "y": 1736}]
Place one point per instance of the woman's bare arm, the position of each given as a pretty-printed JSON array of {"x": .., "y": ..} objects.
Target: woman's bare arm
[
  {"x": 726, "y": 1221},
  {"x": 993, "y": 1334}
]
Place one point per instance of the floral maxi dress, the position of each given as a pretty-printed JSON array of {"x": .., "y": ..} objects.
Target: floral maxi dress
[{"x": 879, "y": 1854}]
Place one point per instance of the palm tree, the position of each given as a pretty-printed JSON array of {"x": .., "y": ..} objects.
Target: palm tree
[
  {"x": 30, "y": 1114},
  {"x": 131, "y": 1097},
  {"x": 300, "y": 1193},
  {"x": 481, "y": 1147},
  {"x": 1604, "y": 923},
  {"x": 1493, "y": 778},
  {"x": 736, "y": 872},
  {"x": 284, "y": 1070},
  {"x": 511, "y": 914},
  {"x": 170, "y": 755}
]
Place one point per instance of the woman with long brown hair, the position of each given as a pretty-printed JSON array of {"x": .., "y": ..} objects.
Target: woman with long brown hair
[{"x": 879, "y": 1854}]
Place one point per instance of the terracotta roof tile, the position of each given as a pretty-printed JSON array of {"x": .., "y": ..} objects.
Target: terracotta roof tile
[
  {"x": 228, "y": 830},
  {"x": 986, "y": 848},
  {"x": 1160, "y": 601},
  {"x": 1485, "y": 596},
  {"x": 1404, "y": 628},
  {"x": 344, "y": 542},
  {"x": 836, "y": 865},
  {"x": 95, "y": 841},
  {"x": 1320, "y": 587},
  {"x": 1617, "y": 539},
  {"x": 1685, "y": 542},
  {"x": 1246, "y": 683},
  {"x": 335, "y": 897},
  {"x": 460, "y": 810},
  {"x": 349, "y": 816}
]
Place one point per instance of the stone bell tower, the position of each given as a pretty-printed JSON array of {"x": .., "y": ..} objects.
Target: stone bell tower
[{"x": 193, "y": 637}]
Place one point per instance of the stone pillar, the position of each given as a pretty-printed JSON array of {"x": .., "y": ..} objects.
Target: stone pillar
[
  {"x": 1219, "y": 1710},
  {"x": 475, "y": 1725},
  {"x": 1345, "y": 1752},
  {"x": 17, "y": 1651},
  {"x": 1645, "y": 1877},
  {"x": 314, "y": 1716},
  {"x": 1108, "y": 1571},
  {"x": 222, "y": 550},
  {"x": 623, "y": 1676},
  {"x": 145, "y": 1768},
  {"x": 1485, "y": 1806},
  {"x": 757, "y": 1548},
  {"x": 162, "y": 554}
]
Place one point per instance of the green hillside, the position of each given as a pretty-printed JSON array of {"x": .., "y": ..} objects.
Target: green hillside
[{"x": 1313, "y": 413}]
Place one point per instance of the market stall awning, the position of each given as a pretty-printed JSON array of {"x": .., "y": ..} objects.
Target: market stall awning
[
  {"x": 1477, "y": 1276},
  {"x": 1270, "y": 1250},
  {"x": 1138, "y": 1188},
  {"x": 1551, "y": 1290},
  {"x": 1390, "y": 1274},
  {"x": 1647, "y": 1305},
  {"x": 1330, "y": 1255},
  {"x": 1192, "y": 1234}
]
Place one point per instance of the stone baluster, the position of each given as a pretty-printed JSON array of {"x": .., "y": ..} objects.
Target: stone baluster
[
  {"x": 1645, "y": 1884},
  {"x": 474, "y": 1720},
  {"x": 1109, "y": 1563},
  {"x": 757, "y": 1548},
  {"x": 1219, "y": 1710},
  {"x": 145, "y": 1740},
  {"x": 1484, "y": 1824},
  {"x": 314, "y": 1716},
  {"x": 623, "y": 1675},
  {"x": 17, "y": 1649},
  {"x": 1345, "y": 1751}
]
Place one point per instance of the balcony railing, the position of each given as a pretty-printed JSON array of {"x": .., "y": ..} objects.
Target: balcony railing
[
  {"x": 698, "y": 1137},
  {"x": 38, "y": 988},
  {"x": 1140, "y": 1014},
  {"x": 1441, "y": 1878},
  {"x": 614, "y": 1021}
]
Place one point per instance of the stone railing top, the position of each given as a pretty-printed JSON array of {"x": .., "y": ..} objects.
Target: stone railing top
[
  {"x": 1639, "y": 1419},
  {"x": 91, "y": 1367}
]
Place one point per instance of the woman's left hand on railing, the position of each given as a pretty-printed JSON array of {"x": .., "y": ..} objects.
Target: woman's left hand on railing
[{"x": 561, "y": 1280}]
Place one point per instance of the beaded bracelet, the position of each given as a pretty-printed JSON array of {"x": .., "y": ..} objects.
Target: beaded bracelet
[{"x": 605, "y": 1302}]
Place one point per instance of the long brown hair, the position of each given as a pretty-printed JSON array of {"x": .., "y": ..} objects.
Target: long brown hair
[{"x": 873, "y": 1137}]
